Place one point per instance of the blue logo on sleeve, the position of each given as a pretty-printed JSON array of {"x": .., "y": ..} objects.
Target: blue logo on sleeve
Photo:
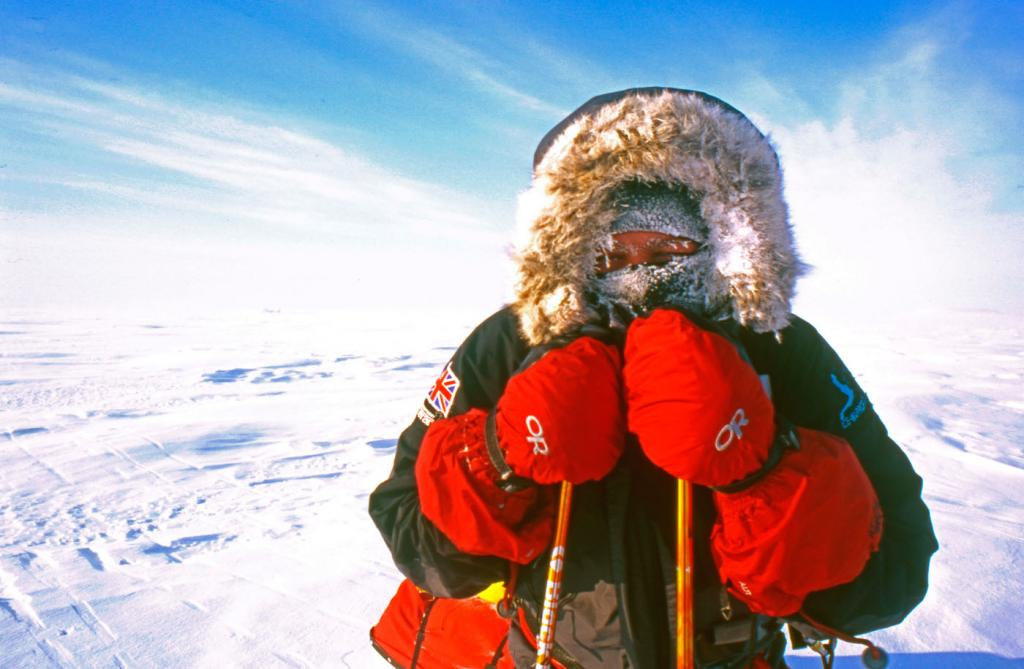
[{"x": 849, "y": 414}]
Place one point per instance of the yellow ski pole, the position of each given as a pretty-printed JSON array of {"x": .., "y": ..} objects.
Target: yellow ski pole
[
  {"x": 684, "y": 575},
  {"x": 546, "y": 634}
]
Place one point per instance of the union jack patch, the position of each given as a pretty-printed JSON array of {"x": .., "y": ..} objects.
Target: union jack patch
[{"x": 442, "y": 393}]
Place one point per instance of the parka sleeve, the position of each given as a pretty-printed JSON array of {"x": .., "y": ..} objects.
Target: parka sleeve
[
  {"x": 813, "y": 388},
  {"x": 474, "y": 378}
]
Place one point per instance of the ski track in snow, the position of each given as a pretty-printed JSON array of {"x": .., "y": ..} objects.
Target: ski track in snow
[{"x": 192, "y": 492}]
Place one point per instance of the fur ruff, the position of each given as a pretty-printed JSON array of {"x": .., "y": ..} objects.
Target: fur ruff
[{"x": 673, "y": 137}]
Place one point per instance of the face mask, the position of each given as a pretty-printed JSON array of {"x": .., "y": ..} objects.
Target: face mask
[{"x": 690, "y": 282}]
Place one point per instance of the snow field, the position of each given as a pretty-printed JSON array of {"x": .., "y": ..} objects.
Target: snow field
[
  {"x": 194, "y": 494},
  {"x": 191, "y": 491}
]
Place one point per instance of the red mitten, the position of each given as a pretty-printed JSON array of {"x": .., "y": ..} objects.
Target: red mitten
[
  {"x": 561, "y": 419},
  {"x": 697, "y": 407}
]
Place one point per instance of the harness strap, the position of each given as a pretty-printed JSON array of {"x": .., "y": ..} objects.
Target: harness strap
[
  {"x": 508, "y": 480},
  {"x": 506, "y": 608},
  {"x": 421, "y": 634},
  {"x": 493, "y": 664}
]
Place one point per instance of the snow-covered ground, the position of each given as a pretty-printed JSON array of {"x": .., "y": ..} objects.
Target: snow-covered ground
[{"x": 191, "y": 491}]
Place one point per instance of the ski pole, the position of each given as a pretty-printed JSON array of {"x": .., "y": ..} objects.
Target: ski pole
[
  {"x": 546, "y": 634},
  {"x": 684, "y": 575}
]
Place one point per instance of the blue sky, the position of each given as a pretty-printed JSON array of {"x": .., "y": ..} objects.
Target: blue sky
[{"x": 335, "y": 154}]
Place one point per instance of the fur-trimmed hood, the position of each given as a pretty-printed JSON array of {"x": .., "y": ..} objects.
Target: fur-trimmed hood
[{"x": 676, "y": 137}]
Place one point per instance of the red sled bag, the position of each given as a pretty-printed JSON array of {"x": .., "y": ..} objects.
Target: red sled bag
[{"x": 420, "y": 631}]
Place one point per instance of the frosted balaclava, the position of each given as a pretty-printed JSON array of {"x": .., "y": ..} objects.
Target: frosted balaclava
[{"x": 690, "y": 282}]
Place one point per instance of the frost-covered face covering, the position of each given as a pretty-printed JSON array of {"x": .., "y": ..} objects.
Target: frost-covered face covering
[{"x": 658, "y": 255}]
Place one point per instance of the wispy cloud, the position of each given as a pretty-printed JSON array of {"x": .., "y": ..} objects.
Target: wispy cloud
[
  {"x": 252, "y": 169},
  {"x": 169, "y": 200},
  {"x": 490, "y": 73}
]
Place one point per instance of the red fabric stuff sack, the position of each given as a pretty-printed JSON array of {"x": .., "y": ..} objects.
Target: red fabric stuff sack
[
  {"x": 420, "y": 631},
  {"x": 810, "y": 524},
  {"x": 459, "y": 493}
]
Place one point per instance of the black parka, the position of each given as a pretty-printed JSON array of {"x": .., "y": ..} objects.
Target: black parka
[{"x": 617, "y": 604}]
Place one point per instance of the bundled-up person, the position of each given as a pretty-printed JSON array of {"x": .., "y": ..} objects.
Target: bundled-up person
[{"x": 651, "y": 338}]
